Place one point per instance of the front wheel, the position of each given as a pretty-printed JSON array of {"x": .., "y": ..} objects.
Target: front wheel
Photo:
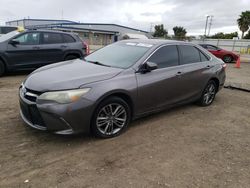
[
  {"x": 227, "y": 58},
  {"x": 208, "y": 94},
  {"x": 111, "y": 118}
]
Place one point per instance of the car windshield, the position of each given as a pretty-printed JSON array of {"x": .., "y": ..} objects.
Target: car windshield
[
  {"x": 120, "y": 55},
  {"x": 8, "y": 36}
]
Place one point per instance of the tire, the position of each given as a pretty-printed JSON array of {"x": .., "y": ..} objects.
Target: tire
[
  {"x": 228, "y": 59},
  {"x": 108, "y": 125},
  {"x": 208, "y": 94},
  {"x": 2, "y": 68},
  {"x": 70, "y": 57}
]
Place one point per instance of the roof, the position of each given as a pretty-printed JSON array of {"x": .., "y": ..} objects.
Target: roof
[
  {"x": 68, "y": 22},
  {"x": 65, "y": 21},
  {"x": 108, "y": 24},
  {"x": 155, "y": 41}
]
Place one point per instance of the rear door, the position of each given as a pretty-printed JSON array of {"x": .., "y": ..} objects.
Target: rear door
[
  {"x": 194, "y": 71},
  {"x": 26, "y": 54},
  {"x": 159, "y": 88},
  {"x": 53, "y": 47}
]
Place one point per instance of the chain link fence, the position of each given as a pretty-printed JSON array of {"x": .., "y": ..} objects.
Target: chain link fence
[{"x": 240, "y": 46}]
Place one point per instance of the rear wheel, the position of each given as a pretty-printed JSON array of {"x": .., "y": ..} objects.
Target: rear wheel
[
  {"x": 70, "y": 57},
  {"x": 208, "y": 94},
  {"x": 2, "y": 68},
  {"x": 227, "y": 58},
  {"x": 111, "y": 118}
]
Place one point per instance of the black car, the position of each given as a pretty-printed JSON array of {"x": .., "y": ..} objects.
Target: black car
[{"x": 31, "y": 49}]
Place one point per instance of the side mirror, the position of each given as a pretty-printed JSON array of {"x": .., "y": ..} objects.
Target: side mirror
[
  {"x": 148, "y": 67},
  {"x": 14, "y": 42}
]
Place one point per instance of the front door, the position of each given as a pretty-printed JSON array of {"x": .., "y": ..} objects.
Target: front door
[
  {"x": 159, "y": 88},
  {"x": 26, "y": 54}
]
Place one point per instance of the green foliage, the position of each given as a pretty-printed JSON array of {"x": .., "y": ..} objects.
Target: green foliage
[
  {"x": 160, "y": 31},
  {"x": 247, "y": 36},
  {"x": 224, "y": 36},
  {"x": 179, "y": 32},
  {"x": 244, "y": 22}
]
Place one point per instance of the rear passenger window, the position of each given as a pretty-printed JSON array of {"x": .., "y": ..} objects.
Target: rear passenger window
[
  {"x": 68, "y": 39},
  {"x": 166, "y": 56},
  {"x": 189, "y": 54},
  {"x": 203, "y": 57},
  {"x": 52, "y": 38}
]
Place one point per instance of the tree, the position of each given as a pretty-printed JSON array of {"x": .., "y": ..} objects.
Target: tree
[
  {"x": 247, "y": 36},
  {"x": 244, "y": 22},
  {"x": 160, "y": 31},
  {"x": 224, "y": 36},
  {"x": 179, "y": 32}
]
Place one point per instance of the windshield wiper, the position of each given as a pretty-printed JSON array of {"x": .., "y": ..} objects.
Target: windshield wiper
[{"x": 97, "y": 63}]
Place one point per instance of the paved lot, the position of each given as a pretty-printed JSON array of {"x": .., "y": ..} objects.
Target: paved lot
[{"x": 188, "y": 146}]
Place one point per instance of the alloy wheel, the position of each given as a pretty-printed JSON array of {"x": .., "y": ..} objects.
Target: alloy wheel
[
  {"x": 209, "y": 94},
  {"x": 111, "y": 119}
]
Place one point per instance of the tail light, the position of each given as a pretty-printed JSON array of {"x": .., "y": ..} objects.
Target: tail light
[{"x": 86, "y": 46}]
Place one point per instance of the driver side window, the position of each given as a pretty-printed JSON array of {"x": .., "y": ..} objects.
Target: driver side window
[
  {"x": 166, "y": 56},
  {"x": 28, "y": 39}
]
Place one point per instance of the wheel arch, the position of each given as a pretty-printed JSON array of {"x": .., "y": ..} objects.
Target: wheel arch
[
  {"x": 121, "y": 94},
  {"x": 217, "y": 82},
  {"x": 74, "y": 53}
]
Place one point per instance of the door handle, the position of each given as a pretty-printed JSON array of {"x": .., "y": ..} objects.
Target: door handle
[
  {"x": 64, "y": 46},
  {"x": 208, "y": 66},
  {"x": 36, "y": 48}
]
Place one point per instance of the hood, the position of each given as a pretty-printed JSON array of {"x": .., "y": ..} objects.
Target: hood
[{"x": 68, "y": 75}]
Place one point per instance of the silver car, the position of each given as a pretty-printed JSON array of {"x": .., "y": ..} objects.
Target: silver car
[{"x": 118, "y": 83}]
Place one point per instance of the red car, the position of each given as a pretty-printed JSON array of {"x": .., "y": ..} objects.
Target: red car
[{"x": 225, "y": 55}]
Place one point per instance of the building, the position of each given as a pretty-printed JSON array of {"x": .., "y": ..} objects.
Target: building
[{"x": 95, "y": 34}]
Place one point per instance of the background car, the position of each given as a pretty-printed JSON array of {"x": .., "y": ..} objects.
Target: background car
[
  {"x": 118, "y": 83},
  {"x": 226, "y": 56},
  {"x": 7, "y": 29},
  {"x": 31, "y": 49}
]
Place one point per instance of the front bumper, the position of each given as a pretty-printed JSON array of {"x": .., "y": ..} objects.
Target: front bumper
[{"x": 58, "y": 118}]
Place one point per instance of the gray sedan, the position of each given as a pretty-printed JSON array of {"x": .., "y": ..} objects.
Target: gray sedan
[{"x": 118, "y": 83}]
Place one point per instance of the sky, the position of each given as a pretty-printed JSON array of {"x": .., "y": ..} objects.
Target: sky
[{"x": 140, "y": 14}]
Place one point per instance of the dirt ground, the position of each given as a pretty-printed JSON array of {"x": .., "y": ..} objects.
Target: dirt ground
[{"x": 189, "y": 146}]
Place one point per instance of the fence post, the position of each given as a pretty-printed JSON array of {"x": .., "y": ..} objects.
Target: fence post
[
  {"x": 218, "y": 43},
  {"x": 234, "y": 45}
]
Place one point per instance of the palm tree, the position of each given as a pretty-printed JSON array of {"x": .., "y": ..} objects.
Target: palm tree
[
  {"x": 244, "y": 22},
  {"x": 179, "y": 32}
]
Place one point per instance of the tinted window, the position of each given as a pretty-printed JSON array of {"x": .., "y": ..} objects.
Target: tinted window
[
  {"x": 29, "y": 39},
  {"x": 203, "y": 57},
  {"x": 209, "y": 47},
  {"x": 166, "y": 56},
  {"x": 68, "y": 39},
  {"x": 5, "y": 30},
  {"x": 189, "y": 54},
  {"x": 52, "y": 38}
]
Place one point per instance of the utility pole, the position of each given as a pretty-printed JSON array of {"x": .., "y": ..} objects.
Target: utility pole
[
  {"x": 210, "y": 24},
  {"x": 151, "y": 28},
  {"x": 206, "y": 26}
]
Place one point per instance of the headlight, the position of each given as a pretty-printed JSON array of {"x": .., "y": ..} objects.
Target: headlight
[{"x": 64, "y": 97}]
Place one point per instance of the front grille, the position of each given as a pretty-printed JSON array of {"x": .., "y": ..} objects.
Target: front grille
[
  {"x": 31, "y": 95},
  {"x": 36, "y": 117},
  {"x": 32, "y": 114}
]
